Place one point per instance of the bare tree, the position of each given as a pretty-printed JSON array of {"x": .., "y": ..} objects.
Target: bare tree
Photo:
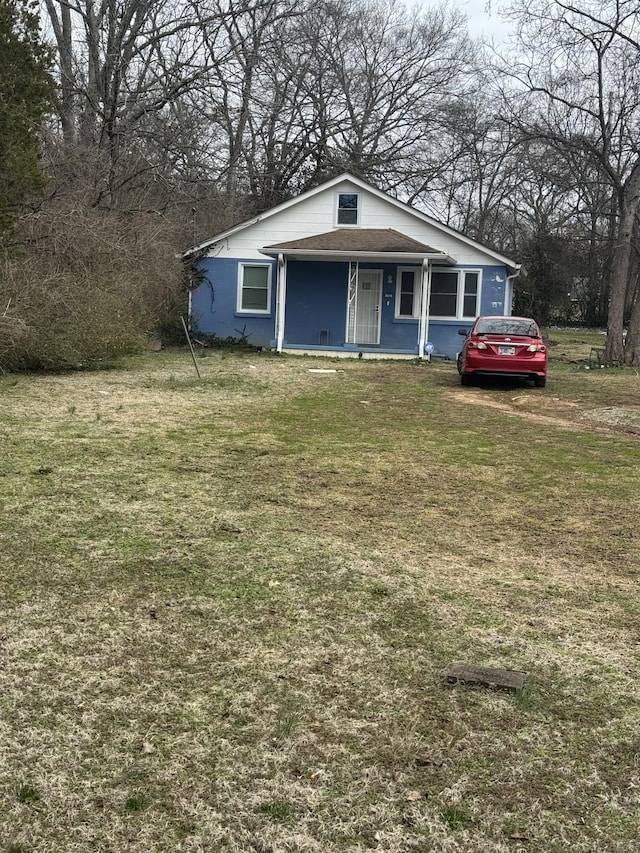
[
  {"x": 577, "y": 88},
  {"x": 300, "y": 92},
  {"x": 119, "y": 62},
  {"x": 392, "y": 74}
]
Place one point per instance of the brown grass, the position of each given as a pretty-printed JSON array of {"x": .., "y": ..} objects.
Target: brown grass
[{"x": 227, "y": 604}]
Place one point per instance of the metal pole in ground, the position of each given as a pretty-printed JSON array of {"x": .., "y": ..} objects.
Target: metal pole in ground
[{"x": 193, "y": 355}]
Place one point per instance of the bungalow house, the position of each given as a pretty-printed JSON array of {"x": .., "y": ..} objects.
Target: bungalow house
[{"x": 347, "y": 269}]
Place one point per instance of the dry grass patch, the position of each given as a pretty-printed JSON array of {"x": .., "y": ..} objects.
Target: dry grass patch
[{"x": 227, "y": 605}]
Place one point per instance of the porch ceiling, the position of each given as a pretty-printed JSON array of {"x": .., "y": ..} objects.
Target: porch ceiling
[{"x": 362, "y": 244}]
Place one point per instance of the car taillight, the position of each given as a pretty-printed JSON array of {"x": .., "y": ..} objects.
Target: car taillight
[
  {"x": 537, "y": 348},
  {"x": 478, "y": 345}
]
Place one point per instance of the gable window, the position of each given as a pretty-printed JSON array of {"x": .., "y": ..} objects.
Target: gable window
[
  {"x": 347, "y": 209},
  {"x": 254, "y": 288}
]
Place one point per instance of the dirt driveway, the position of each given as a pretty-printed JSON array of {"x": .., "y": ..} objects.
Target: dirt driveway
[{"x": 540, "y": 407}]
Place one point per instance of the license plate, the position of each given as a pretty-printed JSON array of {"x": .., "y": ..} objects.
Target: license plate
[{"x": 506, "y": 350}]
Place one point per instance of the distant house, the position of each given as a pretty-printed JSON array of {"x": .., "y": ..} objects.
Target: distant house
[{"x": 346, "y": 269}]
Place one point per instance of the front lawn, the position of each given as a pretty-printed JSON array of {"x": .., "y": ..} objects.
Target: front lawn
[{"x": 227, "y": 605}]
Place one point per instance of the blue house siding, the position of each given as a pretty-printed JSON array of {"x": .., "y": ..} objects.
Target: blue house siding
[
  {"x": 214, "y": 303},
  {"x": 316, "y": 303},
  {"x": 316, "y": 308},
  {"x": 493, "y": 291}
]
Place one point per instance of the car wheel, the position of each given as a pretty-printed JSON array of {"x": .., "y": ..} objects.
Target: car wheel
[
  {"x": 459, "y": 363},
  {"x": 540, "y": 381}
]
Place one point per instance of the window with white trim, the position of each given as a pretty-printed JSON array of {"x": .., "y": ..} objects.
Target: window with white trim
[
  {"x": 347, "y": 211},
  {"x": 444, "y": 294},
  {"x": 254, "y": 288},
  {"x": 408, "y": 292},
  {"x": 454, "y": 293},
  {"x": 470, "y": 293}
]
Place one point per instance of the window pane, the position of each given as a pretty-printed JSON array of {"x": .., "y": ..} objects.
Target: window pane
[
  {"x": 407, "y": 284},
  {"x": 444, "y": 294},
  {"x": 470, "y": 282},
  {"x": 406, "y": 304},
  {"x": 444, "y": 282},
  {"x": 507, "y": 326},
  {"x": 255, "y": 276},
  {"x": 347, "y": 217},
  {"x": 348, "y": 200},
  {"x": 443, "y": 305},
  {"x": 470, "y": 306},
  {"x": 254, "y": 299},
  {"x": 347, "y": 209},
  {"x": 255, "y": 288}
]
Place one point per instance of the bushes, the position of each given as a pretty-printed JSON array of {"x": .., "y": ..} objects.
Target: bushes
[
  {"x": 57, "y": 328},
  {"x": 84, "y": 286}
]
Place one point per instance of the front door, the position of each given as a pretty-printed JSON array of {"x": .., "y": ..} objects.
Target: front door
[{"x": 367, "y": 307}]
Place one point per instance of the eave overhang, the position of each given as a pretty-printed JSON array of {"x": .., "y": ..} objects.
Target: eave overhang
[
  {"x": 358, "y": 244},
  {"x": 360, "y": 256}
]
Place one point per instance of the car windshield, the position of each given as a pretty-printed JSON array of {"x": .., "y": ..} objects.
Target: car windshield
[{"x": 506, "y": 326}]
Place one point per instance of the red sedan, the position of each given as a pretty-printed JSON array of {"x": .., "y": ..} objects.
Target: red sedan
[{"x": 503, "y": 346}]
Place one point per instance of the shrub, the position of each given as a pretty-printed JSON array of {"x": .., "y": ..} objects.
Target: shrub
[{"x": 84, "y": 287}]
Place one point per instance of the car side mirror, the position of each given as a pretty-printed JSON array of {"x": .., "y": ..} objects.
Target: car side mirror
[
  {"x": 463, "y": 332},
  {"x": 544, "y": 336}
]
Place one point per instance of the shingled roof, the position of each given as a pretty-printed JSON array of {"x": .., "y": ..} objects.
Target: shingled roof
[{"x": 356, "y": 240}]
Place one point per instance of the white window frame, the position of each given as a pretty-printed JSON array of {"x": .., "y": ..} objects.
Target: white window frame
[
  {"x": 417, "y": 272},
  {"x": 461, "y": 273},
  {"x": 338, "y": 209},
  {"x": 241, "y": 268},
  {"x": 461, "y": 283}
]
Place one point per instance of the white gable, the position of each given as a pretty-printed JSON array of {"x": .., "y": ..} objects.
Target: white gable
[{"x": 314, "y": 212}]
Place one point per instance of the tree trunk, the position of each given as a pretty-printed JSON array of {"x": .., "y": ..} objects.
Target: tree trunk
[
  {"x": 620, "y": 270},
  {"x": 632, "y": 343},
  {"x": 614, "y": 349},
  {"x": 63, "y": 32}
]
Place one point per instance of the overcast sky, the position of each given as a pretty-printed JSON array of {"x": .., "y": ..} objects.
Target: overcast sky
[{"x": 483, "y": 17}]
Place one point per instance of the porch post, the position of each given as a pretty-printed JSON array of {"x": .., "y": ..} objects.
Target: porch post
[
  {"x": 281, "y": 299},
  {"x": 425, "y": 297},
  {"x": 352, "y": 302}
]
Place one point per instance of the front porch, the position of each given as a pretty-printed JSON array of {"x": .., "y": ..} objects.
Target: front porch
[
  {"x": 349, "y": 352},
  {"x": 356, "y": 292}
]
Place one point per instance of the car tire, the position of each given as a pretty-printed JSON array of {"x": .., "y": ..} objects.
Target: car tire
[
  {"x": 466, "y": 379},
  {"x": 540, "y": 381},
  {"x": 459, "y": 363}
]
